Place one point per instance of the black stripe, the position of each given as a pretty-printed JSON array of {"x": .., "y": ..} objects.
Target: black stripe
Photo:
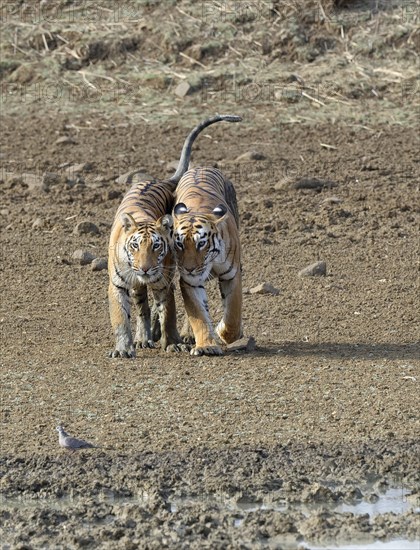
[
  {"x": 120, "y": 276},
  {"x": 192, "y": 286}
]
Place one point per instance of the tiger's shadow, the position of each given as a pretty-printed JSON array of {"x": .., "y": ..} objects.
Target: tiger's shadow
[{"x": 332, "y": 350}]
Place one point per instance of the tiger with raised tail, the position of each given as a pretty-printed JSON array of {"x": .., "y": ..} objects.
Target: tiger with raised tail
[
  {"x": 140, "y": 257},
  {"x": 206, "y": 239}
]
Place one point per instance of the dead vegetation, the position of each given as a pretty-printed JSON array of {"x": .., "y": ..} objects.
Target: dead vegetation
[{"x": 307, "y": 57}]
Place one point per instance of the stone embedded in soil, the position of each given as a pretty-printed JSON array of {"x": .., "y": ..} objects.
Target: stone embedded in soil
[
  {"x": 183, "y": 89},
  {"x": 313, "y": 183},
  {"x": 86, "y": 228},
  {"x": 49, "y": 179},
  {"x": 265, "y": 288},
  {"x": 250, "y": 156},
  {"x": 243, "y": 344},
  {"x": 65, "y": 140},
  {"x": 98, "y": 264},
  {"x": 317, "y": 269},
  {"x": 171, "y": 166},
  {"x": 38, "y": 223},
  {"x": 332, "y": 200},
  {"x": 76, "y": 169},
  {"x": 135, "y": 176},
  {"x": 82, "y": 257}
]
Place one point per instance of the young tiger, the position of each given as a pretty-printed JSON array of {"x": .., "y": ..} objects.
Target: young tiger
[
  {"x": 141, "y": 257},
  {"x": 207, "y": 244}
]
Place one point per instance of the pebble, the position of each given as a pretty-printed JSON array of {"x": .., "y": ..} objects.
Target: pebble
[
  {"x": 135, "y": 176},
  {"x": 243, "y": 344},
  {"x": 172, "y": 165},
  {"x": 98, "y": 264},
  {"x": 38, "y": 223},
  {"x": 75, "y": 169},
  {"x": 313, "y": 183},
  {"x": 250, "y": 155},
  {"x": 82, "y": 257},
  {"x": 332, "y": 200},
  {"x": 183, "y": 89},
  {"x": 265, "y": 288},
  {"x": 86, "y": 228},
  {"x": 317, "y": 269},
  {"x": 65, "y": 140},
  {"x": 49, "y": 179}
]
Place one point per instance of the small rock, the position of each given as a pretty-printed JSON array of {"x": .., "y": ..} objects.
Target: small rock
[
  {"x": 65, "y": 140},
  {"x": 317, "y": 269},
  {"x": 243, "y": 344},
  {"x": 332, "y": 200},
  {"x": 4, "y": 212},
  {"x": 183, "y": 89},
  {"x": 82, "y": 257},
  {"x": 76, "y": 169},
  {"x": 135, "y": 176},
  {"x": 171, "y": 166},
  {"x": 264, "y": 288},
  {"x": 313, "y": 183},
  {"x": 38, "y": 223},
  {"x": 86, "y": 228},
  {"x": 250, "y": 155},
  {"x": 49, "y": 179},
  {"x": 98, "y": 264}
]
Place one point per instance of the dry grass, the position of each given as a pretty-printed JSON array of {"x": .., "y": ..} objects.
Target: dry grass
[{"x": 305, "y": 55}]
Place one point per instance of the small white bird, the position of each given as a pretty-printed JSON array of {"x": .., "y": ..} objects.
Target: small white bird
[{"x": 71, "y": 443}]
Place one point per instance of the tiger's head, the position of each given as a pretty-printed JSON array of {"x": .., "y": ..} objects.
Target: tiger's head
[
  {"x": 197, "y": 241},
  {"x": 145, "y": 247}
]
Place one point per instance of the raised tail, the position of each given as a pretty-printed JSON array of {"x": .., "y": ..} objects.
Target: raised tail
[{"x": 184, "y": 160}]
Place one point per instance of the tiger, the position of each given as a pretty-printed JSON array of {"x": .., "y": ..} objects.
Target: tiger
[
  {"x": 206, "y": 244},
  {"x": 140, "y": 257}
]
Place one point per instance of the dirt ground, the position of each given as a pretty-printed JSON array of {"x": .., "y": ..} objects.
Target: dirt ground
[{"x": 252, "y": 449}]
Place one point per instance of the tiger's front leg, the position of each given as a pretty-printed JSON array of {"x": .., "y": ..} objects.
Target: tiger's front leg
[
  {"x": 119, "y": 310},
  {"x": 230, "y": 327},
  {"x": 164, "y": 299},
  {"x": 143, "y": 338},
  {"x": 196, "y": 306}
]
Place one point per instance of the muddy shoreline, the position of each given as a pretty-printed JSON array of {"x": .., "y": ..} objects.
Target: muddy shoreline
[{"x": 245, "y": 497}]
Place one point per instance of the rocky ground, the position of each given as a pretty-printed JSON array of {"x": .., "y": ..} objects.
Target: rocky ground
[{"x": 287, "y": 445}]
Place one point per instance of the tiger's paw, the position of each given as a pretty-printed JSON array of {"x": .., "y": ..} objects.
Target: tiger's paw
[
  {"x": 206, "y": 350},
  {"x": 177, "y": 347},
  {"x": 226, "y": 334},
  {"x": 122, "y": 354},
  {"x": 145, "y": 344}
]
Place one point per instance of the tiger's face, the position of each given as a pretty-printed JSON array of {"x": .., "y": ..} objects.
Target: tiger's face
[
  {"x": 145, "y": 247},
  {"x": 197, "y": 242}
]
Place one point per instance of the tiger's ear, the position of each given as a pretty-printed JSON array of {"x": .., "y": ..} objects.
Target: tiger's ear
[
  {"x": 165, "y": 224},
  {"x": 180, "y": 208},
  {"x": 220, "y": 213},
  {"x": 128, "y": 222}
]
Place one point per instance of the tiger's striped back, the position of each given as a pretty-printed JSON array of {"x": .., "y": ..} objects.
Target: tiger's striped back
[
  {"x": 147, "y": 200},
  {"x": 204, "y": 189}
]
